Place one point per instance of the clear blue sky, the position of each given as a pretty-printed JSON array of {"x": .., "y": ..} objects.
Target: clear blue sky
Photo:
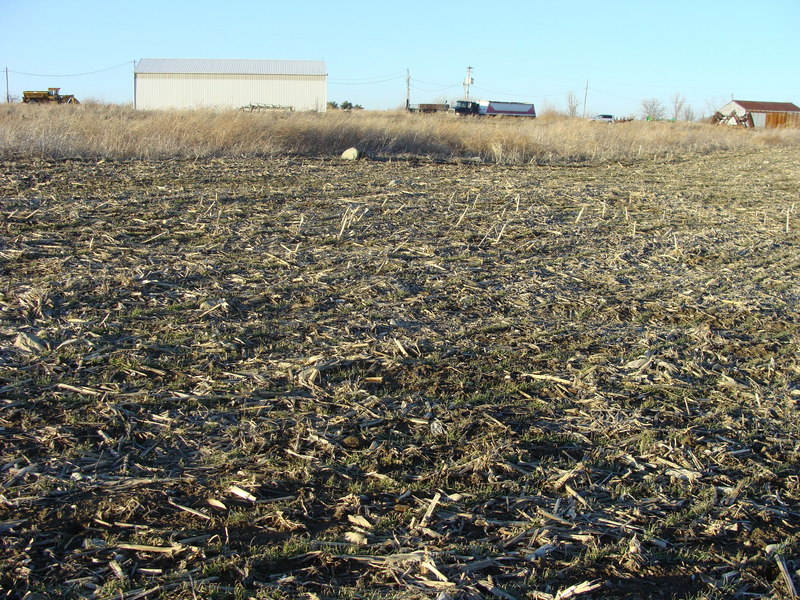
[{"x": 527, "y": 50}]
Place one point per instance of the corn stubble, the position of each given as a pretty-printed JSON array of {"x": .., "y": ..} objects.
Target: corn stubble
[{"x": 291, "y": 376}]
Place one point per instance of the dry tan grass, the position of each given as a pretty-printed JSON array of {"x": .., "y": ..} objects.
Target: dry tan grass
[{"x": 119, "y": 132}]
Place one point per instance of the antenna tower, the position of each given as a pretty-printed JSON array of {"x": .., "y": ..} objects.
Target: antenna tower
[{"x": 468, "y": 81}]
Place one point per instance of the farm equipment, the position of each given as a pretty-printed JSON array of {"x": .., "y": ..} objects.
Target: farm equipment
[
  {"x": 51, "y": 96},
  {"x": 266, "y": 107},
  {"x": 492, "y": 107},
  {"x": 428, "y": 108},
  {"x": 734, "y": 118}
]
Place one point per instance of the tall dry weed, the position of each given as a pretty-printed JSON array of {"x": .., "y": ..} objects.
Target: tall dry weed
[{"x": 114, "y": 131}]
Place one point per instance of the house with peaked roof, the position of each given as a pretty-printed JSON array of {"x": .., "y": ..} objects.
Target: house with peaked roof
[{"x": 748, "y": 113}]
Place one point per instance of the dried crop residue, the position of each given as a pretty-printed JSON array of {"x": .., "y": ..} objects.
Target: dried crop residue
[{"x": 302, "y": 378}]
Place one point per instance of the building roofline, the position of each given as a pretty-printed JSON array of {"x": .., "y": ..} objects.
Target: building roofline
[
  {"x": 759, "y": 106},
  {"x": 229, "y": 66}
]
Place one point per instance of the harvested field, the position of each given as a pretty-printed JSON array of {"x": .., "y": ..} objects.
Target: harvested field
[{"x": 304, "y": 378}]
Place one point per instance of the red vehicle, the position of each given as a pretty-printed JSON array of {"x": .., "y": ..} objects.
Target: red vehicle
[{"x": 494, "y": 107}]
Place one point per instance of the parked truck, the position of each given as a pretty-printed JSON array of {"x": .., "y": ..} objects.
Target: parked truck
[
  {"x": 493, "y": 107},
  {"x": 51, "y": 96}
]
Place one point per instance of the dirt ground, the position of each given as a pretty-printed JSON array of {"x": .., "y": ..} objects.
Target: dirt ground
[{"x": 310, "y": 378}]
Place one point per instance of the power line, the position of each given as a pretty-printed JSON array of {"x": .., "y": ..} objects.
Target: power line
[
  {"x": 336, "y": 82},
  {"x": 127, "y": 62},
  {"x": 524, "y": 95},
  {"x": 438, "y": 89},
  {"x": 387, "y": 77},
  {"x": 438, "y": 84},
  {"x": 614, "y": 95}
]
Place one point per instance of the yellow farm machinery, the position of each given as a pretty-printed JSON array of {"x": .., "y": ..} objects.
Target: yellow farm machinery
[{"x": 51, "y": 96}]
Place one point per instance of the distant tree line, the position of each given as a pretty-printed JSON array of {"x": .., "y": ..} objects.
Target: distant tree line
[
  {"x": 346, "y": 105},
  {"x": 655, "y": 110},
  {"x": 652, "y": 109}
]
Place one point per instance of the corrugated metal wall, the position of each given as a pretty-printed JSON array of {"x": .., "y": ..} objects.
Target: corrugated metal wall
[
  {"x": 161, "y": 90},
  {"x": 759, "y": 119},
  {"x": 774, "y": 120}
]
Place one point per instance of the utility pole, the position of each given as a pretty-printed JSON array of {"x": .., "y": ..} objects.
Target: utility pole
[
  {"x": 408, "y": 89},
  {"x": 585, "y": 95},
  {"x": 8, "y": 97},
  {"x": 468, "y": 81}
]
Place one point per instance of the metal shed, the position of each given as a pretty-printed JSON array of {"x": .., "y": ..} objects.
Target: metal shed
[
  {"x": 185, "y": 83},
  {"x": 749, "y": 113}
]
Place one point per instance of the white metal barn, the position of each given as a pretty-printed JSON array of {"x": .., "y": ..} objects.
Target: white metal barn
[{"x": 179, "y": 83}]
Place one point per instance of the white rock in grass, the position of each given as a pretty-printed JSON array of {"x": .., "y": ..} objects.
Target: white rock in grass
[
  {"x": 350, "y": 154},
  {"x": 356, "y": 538},
  {"x": 214, "y": 304},
  {"x": 27, "y": 342}
]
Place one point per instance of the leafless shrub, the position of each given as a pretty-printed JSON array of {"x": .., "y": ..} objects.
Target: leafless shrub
[{"x": 653, "y": 109}]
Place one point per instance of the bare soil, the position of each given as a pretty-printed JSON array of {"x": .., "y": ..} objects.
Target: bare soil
[{"x": 310, "y": 378}]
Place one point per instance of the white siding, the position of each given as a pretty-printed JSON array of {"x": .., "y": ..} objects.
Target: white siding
[
  {"x": 732, "y": 107},
  {"x": 223, "y": 83},
  {"x": 728, "y": 109},
  {"x": 157, "y": 91}
]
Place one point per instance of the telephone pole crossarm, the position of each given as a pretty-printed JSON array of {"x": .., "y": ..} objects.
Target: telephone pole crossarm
[{"x": 468, "y": 81}]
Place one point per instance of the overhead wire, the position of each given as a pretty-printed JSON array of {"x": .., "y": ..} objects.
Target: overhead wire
[
  {"x": 368, "y": 80},
  {"x": 612, "y": 95},
  {"x": 438, "y": 89},
  {"x": 438, "y": 84},
  {"x": 338, "y": 82},
  {"x": 127, "y": 62},
  {"x": 522, "y": 95},
  {"x": 427, "y": 86}
]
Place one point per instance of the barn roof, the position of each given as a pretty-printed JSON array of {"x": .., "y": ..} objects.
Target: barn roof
[
  {"x": 767, "y": 106},
  {"x": 230, "y": 66}
]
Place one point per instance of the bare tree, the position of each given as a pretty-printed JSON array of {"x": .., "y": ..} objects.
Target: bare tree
[
  {"x": 653, "y": 109},
  {"x": 572, "y": 104},
  {"x": 678, "y": 104},
  {"x": 547, "y": 108},
  {"x": 714, "y": 104},
  {"x": 688, "y": 114}
]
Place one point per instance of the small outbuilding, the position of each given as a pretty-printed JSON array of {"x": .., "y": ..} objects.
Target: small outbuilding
[
  {"x": 748, "y": 113},
  {"x": 185, "y": 83}
]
